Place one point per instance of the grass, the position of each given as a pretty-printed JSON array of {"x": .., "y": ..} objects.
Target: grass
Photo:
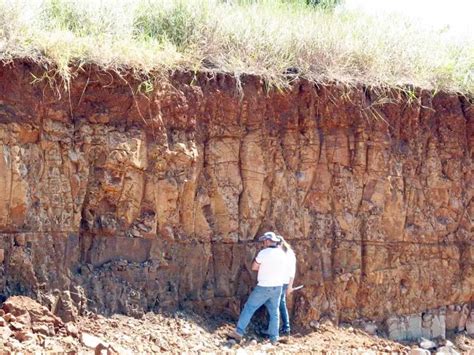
[{"x": 269, "y": 38}]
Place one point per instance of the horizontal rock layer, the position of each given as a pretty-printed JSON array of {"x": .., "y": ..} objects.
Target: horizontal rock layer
[{"x": 120, "y": 200}]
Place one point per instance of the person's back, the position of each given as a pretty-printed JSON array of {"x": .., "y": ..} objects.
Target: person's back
[
  {"x": 291, "y": 265},
  {"x": 273, "y": 267}
]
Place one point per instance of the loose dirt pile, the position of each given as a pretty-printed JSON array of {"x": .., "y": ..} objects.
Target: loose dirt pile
[{"x": 29, "y": 327}]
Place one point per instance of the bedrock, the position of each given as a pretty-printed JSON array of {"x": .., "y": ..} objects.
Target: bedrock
[{"x": 120, "y": 201}]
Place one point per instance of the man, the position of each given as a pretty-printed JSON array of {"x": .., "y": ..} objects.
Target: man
[
  {"x": 287, "y": 288},
  {"x": 271, "y": 264}
]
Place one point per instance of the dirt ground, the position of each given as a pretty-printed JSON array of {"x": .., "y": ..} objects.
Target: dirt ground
[{"x": 190, "y": 333}]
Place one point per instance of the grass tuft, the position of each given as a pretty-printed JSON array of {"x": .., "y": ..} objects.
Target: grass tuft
[{"x": 280, "y": 40}]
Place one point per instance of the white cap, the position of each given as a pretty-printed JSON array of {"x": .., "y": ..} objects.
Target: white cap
[{"x": 269, "y": 236}]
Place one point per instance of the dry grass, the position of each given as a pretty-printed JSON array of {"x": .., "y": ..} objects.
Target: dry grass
[{"x": 265, "y": 38}]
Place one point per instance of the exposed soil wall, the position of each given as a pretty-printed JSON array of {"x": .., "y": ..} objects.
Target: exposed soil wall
[{"x": 124, "y": 202}]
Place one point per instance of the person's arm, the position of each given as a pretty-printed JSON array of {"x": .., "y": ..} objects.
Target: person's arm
[
  {"x": 257, "y": 261},
  {"x": 292, "y": 272},
  {"x": 255, "y": 266},
  {"x": 290, "y": 286}
]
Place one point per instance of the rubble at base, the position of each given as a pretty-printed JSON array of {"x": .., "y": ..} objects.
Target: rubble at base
[{"x": 31, "y": 327}]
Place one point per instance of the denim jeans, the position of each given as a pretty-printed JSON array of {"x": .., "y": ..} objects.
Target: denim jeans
[
  {"x": 285, "y": 328},
  {"x": 284, "y": 311},
  {"x": 268, "y": 296}
]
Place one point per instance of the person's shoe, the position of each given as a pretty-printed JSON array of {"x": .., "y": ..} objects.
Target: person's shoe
[
  {"x": 234, "y": 335},
  {"x": 274, "y": 342}
]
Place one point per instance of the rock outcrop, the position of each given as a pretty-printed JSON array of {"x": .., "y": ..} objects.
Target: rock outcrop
[{"x": 119, "y": 201}]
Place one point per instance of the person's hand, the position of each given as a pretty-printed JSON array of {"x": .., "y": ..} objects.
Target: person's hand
[{"x": 289, "y": 290}]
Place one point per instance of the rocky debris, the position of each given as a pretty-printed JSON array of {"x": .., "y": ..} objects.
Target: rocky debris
[
  {"x": 90, "y": 341},
  {"x": 190, "y": 333},
  {"x": 26, "y": 322},
  {"x": 71, "y": 329},
  {"x": 447, "y": 350},
  {"x": 427, "y": 344},
  {"x": 419, "y": 351},
  {"x": 29, "y": 312}
]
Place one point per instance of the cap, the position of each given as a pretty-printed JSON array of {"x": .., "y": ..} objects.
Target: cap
[{"x": 269, "y": 236}]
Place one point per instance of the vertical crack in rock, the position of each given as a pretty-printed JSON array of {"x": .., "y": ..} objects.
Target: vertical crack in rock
[{"x": 137, "y": 204}]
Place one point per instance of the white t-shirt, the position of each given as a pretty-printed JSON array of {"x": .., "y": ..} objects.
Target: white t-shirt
[
  {"x": 291, "y": 263},
  {"x": 273, "y": 267}
]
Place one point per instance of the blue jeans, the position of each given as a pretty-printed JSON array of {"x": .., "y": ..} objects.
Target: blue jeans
[
  {"x": 268, "y": 296},
  {"x": 283, "y": 312}
]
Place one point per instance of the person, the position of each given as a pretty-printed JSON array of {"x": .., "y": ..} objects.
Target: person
[
  {"x": 287, "y": 285},
  {"x": 287, "y": 288},
  {"x": 270, "y": 263}
]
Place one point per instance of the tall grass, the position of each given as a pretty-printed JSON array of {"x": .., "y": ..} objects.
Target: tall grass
[{"x": 270, "y": 38}]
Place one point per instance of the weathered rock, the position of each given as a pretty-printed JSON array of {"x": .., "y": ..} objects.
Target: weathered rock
[
  {"x": 71, "y": 329},
  {"x": 17, "y": 326},
  {"x": 45, "y": 329},
  {"x": 28, "y": 312},
  {"x": 453, "y": 314},
  {"x": 130, "y": 204},
  {"x": 418, "y": 351},
  {"x": 370, "y": 328},
  {"x": 24, "y": 335},
  {"x": 5, "y": 333},
  {"x": 427, "y": 344},
  {"x": 92, "y": 342},
  {"x": 470, "y": 323},
  {"x": 9, "y": 317},
  {"x": 447, "y": 350},
  {"x": 463, "y": 316}
]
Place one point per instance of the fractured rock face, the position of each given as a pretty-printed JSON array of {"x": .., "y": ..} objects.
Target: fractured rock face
[{"x": 141, "y": 203}]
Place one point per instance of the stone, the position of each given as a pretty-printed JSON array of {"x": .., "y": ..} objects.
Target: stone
[
  {"x": 24, "y": 335},
  {"x": 470, "y": 323},
  {"x": 21, "y": 306},
  {"x": 9, "y": 317},
  {"x": 91, "y": 341},
  {"x": 43, "y": 328},
  {"x": 24, "y": 319},
  {"x": 20, "y": 240},
  {"x": 453, "y": 313},
  {"x": 5, "y": 333},
  {"x": 414, "y": 326},
  {"x": 65, "y": 308},
  {"x": 230, "y": 343},
  {"x": 445, "y": 350},
  {"x": 418, "y": 351},
  {"x": 464, "y": 315},
  {"x": 370, "y": 328},
  {"x": 17, "y": 326},
  {"x": 101, "y": 348},
  {"x": 427, "y": 344},
  {"x": 71, "y": 329}
]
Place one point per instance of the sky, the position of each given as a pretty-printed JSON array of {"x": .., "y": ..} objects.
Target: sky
[{"x": 455, "y": 16}]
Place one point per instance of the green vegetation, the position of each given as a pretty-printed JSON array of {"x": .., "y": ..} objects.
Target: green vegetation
[{"x": 270, "y": 38}]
